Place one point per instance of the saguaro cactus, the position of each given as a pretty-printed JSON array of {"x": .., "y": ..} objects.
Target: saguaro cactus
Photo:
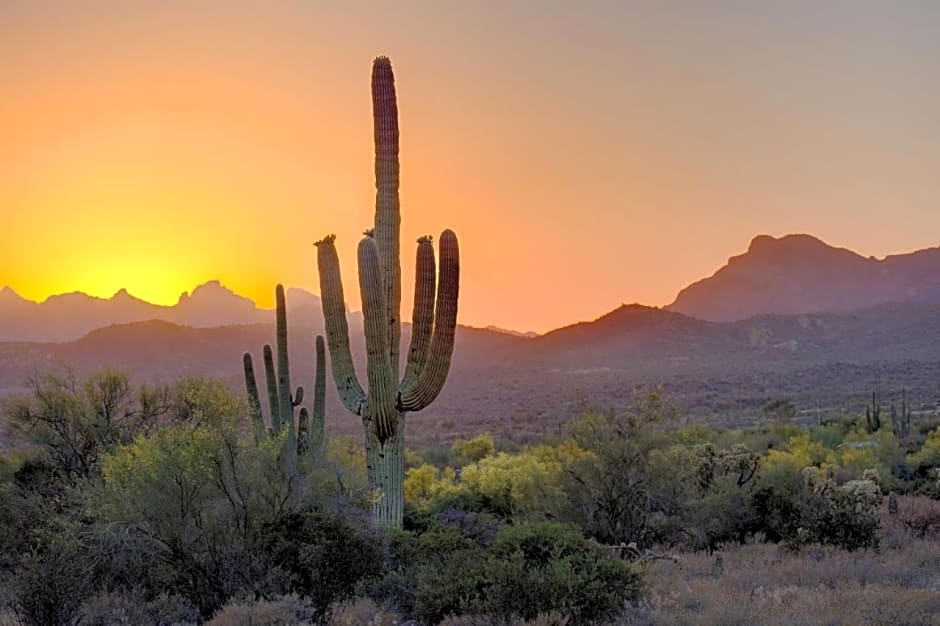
[
  {"x": 434, "y": 320},
  {"x": 901, "y": 425},
  {"x": 280, "y": 400},
  {"x": 873, "y": 413}
]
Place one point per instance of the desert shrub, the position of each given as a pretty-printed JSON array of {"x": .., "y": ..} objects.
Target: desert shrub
[
  {"x": 529, "y": 569},
  {"x": 426, "y": 483},
  {"x": 362, "y": 612},
  {"x": 843, "y": 516},
  {"x": 465, "y": 451},
  {"x": 480, "y": 527},
  {"x": 284, "y": 611},
  {"x": 44, "y": 562},
  {"x": 323, "y": 557},
  {"x": 524, "y": 484},
  {"x": 805, "y": 507},
  {"x": 702, "y": 494},
  {"x": 197, "y": 495},
  {"x": 543, "y": 567},
  {"x": 928, "y": 456},
  {"x": 75, "y": 423},
  {"x": 829, "y": 435},
  {"x": 918, "y": 518},
  {"x": 610, "y": 487},
  {"x": 542, "y": 619},
  {"x": 116, "y": 609},
  {"x": 449, "y": 574}
]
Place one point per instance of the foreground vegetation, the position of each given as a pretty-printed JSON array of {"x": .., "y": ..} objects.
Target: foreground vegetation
[{"x": 124, "y": 505}]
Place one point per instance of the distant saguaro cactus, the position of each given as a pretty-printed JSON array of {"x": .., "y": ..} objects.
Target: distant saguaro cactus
[
  {"x": 434, "y": 319},
  {"x": 873, "y": 413},
  {"x": 901, "y": 425},
  {"x": 280, "y": 400}
]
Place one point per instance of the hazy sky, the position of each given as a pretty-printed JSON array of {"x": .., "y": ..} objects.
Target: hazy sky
[{"x": 586, "y": 153}]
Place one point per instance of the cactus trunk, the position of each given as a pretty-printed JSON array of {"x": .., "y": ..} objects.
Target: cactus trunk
[
  {"x": 385, "y": 466},
  {"x": 316, "y": 437},
  {"x": 387, "y": 205},
  {"x": 254, "y": 400},
  {"x": 285, "y": 402},
  {"x": 271, "y": 381}
]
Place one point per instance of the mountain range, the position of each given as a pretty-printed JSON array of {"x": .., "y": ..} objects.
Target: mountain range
[
  {"x": 69, "y": 316},
  {"x": 792, "y": 317},
  {"x": 792, "y": 274}
]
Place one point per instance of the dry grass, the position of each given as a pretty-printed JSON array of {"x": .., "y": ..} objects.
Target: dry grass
[{"x": 765, "y": 585}]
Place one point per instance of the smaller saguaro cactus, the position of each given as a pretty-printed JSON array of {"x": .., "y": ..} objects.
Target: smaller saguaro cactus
[
  {"x": 873, "y": 413},
  {"x": 311, "y": 425},
  {"x": 901, "y": 425},
  {"x": 280, "y": 400}
]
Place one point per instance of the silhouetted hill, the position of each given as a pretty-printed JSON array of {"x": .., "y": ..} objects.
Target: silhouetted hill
[
  {"x": 69, "y": 316},
  {"x": 524, "y": 387},
  {"x": 801, "y": 274}
]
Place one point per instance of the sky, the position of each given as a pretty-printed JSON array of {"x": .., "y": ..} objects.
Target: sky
[{"x": 586, "y": 153}]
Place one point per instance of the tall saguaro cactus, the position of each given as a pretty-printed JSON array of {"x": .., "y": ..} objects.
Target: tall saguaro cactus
[
  {"x": 434, "y": 320},
  {"x": 280, "y": 400}
]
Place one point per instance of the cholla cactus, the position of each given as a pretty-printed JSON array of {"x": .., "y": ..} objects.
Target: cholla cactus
[
  {"x": 389, "y": 396},
  {"x": 280, "y": 400}
]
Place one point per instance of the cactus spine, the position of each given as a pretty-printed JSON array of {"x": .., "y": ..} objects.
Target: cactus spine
[
  {"x": 434, "y": 321},
  {"x": 280, "y": 400}
]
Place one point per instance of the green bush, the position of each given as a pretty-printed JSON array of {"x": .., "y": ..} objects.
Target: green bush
[
  {"x": 530, "y": 569},
  {"x": 800, "y": 508},
  {"x": 536, "y": 568},
  {"x": 323, "y": 557}
]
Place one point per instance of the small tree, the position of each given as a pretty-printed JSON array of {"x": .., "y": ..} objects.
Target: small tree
[
  {"x": 74, "y": 423},
  {"x": 612, "y": 488}
]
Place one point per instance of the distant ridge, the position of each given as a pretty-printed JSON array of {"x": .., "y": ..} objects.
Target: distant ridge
[
  {"x": 797, "y": 274},
  {"x": 506, "y": 383},
  {"x": 66, "y": 317},
  {"x": 516, "y": 333}
]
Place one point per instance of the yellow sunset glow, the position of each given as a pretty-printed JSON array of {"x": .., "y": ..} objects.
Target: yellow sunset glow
[{"x": 156, "y": 146}]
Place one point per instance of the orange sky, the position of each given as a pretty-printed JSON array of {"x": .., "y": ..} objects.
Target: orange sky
[{"x": 586, "y": 154}]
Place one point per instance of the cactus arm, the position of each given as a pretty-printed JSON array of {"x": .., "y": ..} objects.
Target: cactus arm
[
  {"x": 387, "y": 206},
  {"x": 303, "y": 433},
  {"x": 317, "y": 429},
  {"x": 422, "y": 319},
  {"x": 434, "y": 374},
  {"x": 254, "y": 400},
  {"x": 271, "y": 379},
  {"x": 298, "y": 397},
  {"x": 337, "y": 328},
  {"x": 382, "y": 384},
  {"x": 285, "y": 405}
]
